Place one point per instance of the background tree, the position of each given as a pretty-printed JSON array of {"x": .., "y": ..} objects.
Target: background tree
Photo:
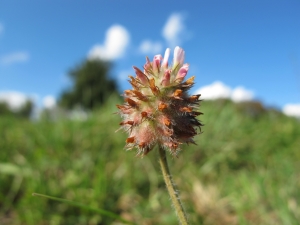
[
  {"x": 24, "y": 111},
  {"x": 91, "y": 85},
  {"x": 4, "y": 109}
]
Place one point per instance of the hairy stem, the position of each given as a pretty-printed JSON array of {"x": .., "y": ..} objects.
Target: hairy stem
[{"x": 170, "y": 186}]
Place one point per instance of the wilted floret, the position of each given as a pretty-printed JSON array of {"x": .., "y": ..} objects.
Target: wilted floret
[{"x": 158, "y": 109}]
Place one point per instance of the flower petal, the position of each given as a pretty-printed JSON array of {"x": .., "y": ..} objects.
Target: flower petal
[
  {"x": 178, "y": 57},
  {"x": 156, "y": 63},
  {"x": 166, "y": 78},
  {"x": 182, "y": 73},
  {"x": 142, "y": 77},
  {"x": 166, "y": 59}
]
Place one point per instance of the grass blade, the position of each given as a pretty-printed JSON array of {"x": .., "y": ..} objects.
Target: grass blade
[{"x": 100, "y": 211}]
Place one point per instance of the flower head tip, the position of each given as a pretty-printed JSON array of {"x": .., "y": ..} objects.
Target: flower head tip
[{"x": 158, "y": 110}]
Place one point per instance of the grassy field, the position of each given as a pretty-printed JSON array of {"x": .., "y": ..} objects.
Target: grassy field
[{"x": 244, "y": 170}]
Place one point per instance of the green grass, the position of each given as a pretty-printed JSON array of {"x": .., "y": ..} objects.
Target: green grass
[{"x": 244, "y": 170}]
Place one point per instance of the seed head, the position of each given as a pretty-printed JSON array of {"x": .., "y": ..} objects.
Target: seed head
[{"x": 158, "y": 109}]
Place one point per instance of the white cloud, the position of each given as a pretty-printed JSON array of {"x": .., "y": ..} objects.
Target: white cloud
[
  {"x": 49, "y": 102},
  {"x": 15, "y": 100},
  {"x": 214, "y": 91},
  {"x": 173, "y": 29},
  {"x": 240, "y": 94},
  {"x": 14, "y": 58},
  {"x": 149, "y": 47},
  {"x": 116, "y": 40},
  {"x": 292, "y": 110},
  {"x": 218, "y": 90}
]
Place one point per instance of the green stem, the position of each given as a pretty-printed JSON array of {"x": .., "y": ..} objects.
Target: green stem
[{"x": 170, "y": 186}]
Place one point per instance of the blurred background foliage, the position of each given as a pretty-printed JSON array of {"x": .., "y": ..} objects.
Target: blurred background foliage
[
  {"x": 244, "y": 170},
  {"x": 24, "y": 111},
  {"x": 91, "y": 85}
]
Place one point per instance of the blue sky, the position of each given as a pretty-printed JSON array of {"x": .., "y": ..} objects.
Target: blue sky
[{"x": 235, "y": 48}]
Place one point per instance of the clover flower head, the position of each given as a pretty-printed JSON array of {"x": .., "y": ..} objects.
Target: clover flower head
[{"x": 158, "y": 109}]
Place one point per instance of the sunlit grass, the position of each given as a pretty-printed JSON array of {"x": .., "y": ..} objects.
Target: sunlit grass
[{"x": 244, "y": 170}]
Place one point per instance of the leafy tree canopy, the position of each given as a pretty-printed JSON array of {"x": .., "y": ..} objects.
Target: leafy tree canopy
[
  {"x": 24, "y": 111},
  {"x": 91, "y": 85}
]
